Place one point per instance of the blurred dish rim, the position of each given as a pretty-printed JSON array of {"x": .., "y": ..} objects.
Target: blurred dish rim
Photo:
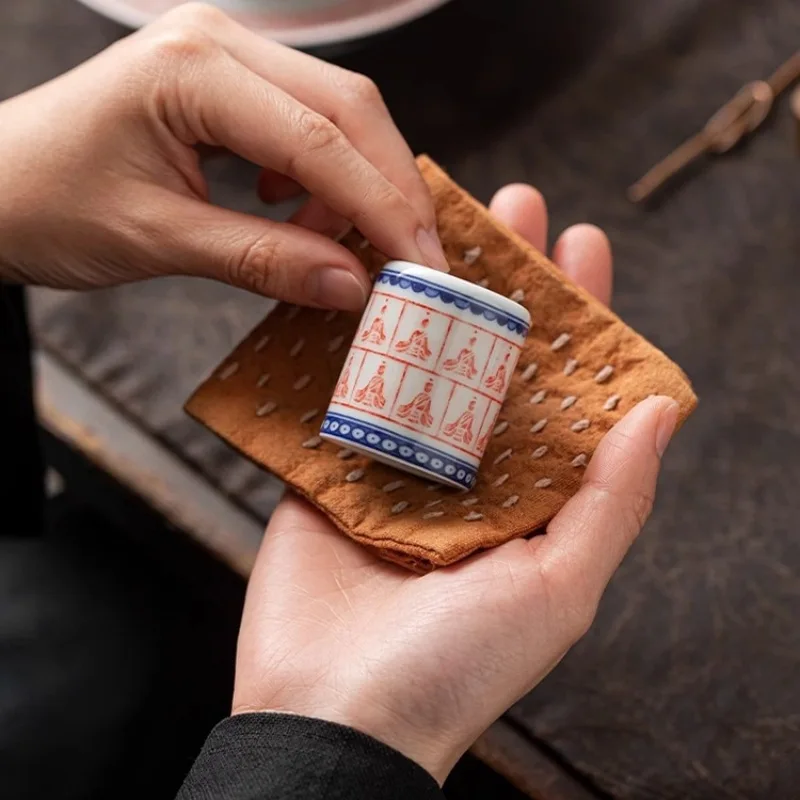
[{"x": 357, "y": 27}]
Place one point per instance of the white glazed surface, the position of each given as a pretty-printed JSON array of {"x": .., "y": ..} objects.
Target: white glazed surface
[
  {"x": 299, "y": 23},
  {"x": 427, "y": 373}
]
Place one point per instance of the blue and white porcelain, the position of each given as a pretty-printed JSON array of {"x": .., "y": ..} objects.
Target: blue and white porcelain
[{"x": 427, "y": 373}]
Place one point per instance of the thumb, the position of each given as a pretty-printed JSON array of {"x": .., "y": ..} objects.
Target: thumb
[
  {"x": 279, "y": 260},
  {"x": 588, "y": 538}
]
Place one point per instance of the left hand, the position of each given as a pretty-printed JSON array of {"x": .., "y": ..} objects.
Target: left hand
[
  {"x": 102, "y": 178},
  {"x": 425, "y": 664}
]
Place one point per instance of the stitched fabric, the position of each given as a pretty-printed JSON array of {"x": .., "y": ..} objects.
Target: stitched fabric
[{"x": 581, "y": 369}]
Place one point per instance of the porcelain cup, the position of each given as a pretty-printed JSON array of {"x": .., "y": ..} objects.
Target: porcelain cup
[{"x": 427, "y": 373}]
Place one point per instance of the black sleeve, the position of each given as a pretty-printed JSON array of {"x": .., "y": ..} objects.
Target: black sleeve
[{"x": 284, "y": 757}]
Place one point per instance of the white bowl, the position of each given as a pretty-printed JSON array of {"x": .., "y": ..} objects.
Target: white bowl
[{"x": 326, "y": 22}]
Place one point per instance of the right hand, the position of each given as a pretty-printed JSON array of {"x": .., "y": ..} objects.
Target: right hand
[
  {"x": 426, "y": 663},
  {"x": 102, "y": 180}
]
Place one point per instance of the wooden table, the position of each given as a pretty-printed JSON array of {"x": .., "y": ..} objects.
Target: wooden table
[{"x": 686, "y": 687}]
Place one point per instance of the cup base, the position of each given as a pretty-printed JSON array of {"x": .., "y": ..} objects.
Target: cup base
[{"x": 391, "y": 461}]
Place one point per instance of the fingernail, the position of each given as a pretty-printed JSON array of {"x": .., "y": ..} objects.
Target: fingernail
[
  {"x": 431, "y": 248},
  {"x": 334, "y": 287},
  {"x": 666, "y": 426}
]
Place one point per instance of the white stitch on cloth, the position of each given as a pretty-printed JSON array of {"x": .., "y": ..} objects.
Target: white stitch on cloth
[
  {"x": 311, "y": 443},
  {"x": 355, "y": 475},
  {"x": 580, "y": 425},
  {"x": 345, "y": 453},
  {"x": 517, "y": 296},
  {"x": 539, "y": 451},
  {"x": 292, "y": 312},
  {"x": 363, "y": 244},
  {"x": 501, "y": 480},
  {"x": 433, "y": 514},
  {"x": 433, "y": 503},
  {"x": 529, "y": 371},
  {"x": 604, "y": 374},
  {"x": 484, "y": 282},
  {"x": 473, "y": 516},
  {"x": 399, "y": 508},
  {"x": 539, "y": 426},
  {"x": 339, "y": 236},
  {"x": 503, "y": 456},
  {"x": 331, "y": 315},
  {"x": 570, "y": 366},
  {"x": 335, "y": 343},
  {"x": 472, "y": 255},
  {"x": 612, "y": 402},
  {"x": 266, "y": 408},
  {"x": 228, "y": 371},
  {"x": 579, "y": 460},
  {"x": 309, "y": 415},
  {"x": 434, "y": 487},
  {"x": 562, "y": 340},
  {"x": 470, "y": 501},
  {"x": 501, "y": 427},
  {"x": 538, "y": 397},
  {"x": 262, "y": 343},
  {"x": 301, "y": 382},
  {"x": 263, "y": 380},
  {"x": 511, "y": 501},
  {"x": 543, "y": 483},
  {"x": 568, "y": 402},
  {"x": 393, "y": 486},
  {"x": 297, "y": 347}
]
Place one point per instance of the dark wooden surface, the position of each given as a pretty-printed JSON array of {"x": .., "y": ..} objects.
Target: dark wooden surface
[{"x": 687, "y": 685}]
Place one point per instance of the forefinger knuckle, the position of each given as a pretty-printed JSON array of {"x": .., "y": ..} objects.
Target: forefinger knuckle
[
  {"x": 200, "y": 15},
  {"x": 186, "y": 33},
  {"x": 181, "y": 43},
  {"x": 360, "y": 92}
]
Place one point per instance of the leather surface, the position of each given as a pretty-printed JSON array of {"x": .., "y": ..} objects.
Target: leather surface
[{"x": 687, "y": 685}]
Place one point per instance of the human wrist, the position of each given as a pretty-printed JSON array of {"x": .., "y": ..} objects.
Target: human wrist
[{"x": 435, "y": 752}]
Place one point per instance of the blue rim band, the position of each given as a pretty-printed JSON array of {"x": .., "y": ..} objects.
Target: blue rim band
[{"x": 459, "y": 300}]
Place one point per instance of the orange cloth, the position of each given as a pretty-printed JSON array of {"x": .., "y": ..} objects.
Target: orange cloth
[{"x": 581, "y": 369}]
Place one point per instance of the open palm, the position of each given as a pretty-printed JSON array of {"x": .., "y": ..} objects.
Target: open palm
[{"x": 426, "y": 663}]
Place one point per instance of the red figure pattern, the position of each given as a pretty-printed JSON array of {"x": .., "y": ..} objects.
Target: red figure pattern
[
  {"x": 417, "y": 344},
  {"x": 343, "y": 387},
  {"x": 464, "y": 363},
  {"x": 460, "y": 430},
  {"x": 375, "y": 334},
  {"x": 418, "y": 410},
  {"x": 498, "y": 380},
  {"x": 372, "y": 393},
  {"x": 483, "y": 442}
]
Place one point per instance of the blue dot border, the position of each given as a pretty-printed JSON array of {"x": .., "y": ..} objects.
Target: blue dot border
[{"x": 386, "y": 442}]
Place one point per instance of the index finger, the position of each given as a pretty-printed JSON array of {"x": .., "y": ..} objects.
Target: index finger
[
  {"x": 264, "y": 124},
  {"x": 351, "y": 101},
  {"x": 240, "y": 103}
]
